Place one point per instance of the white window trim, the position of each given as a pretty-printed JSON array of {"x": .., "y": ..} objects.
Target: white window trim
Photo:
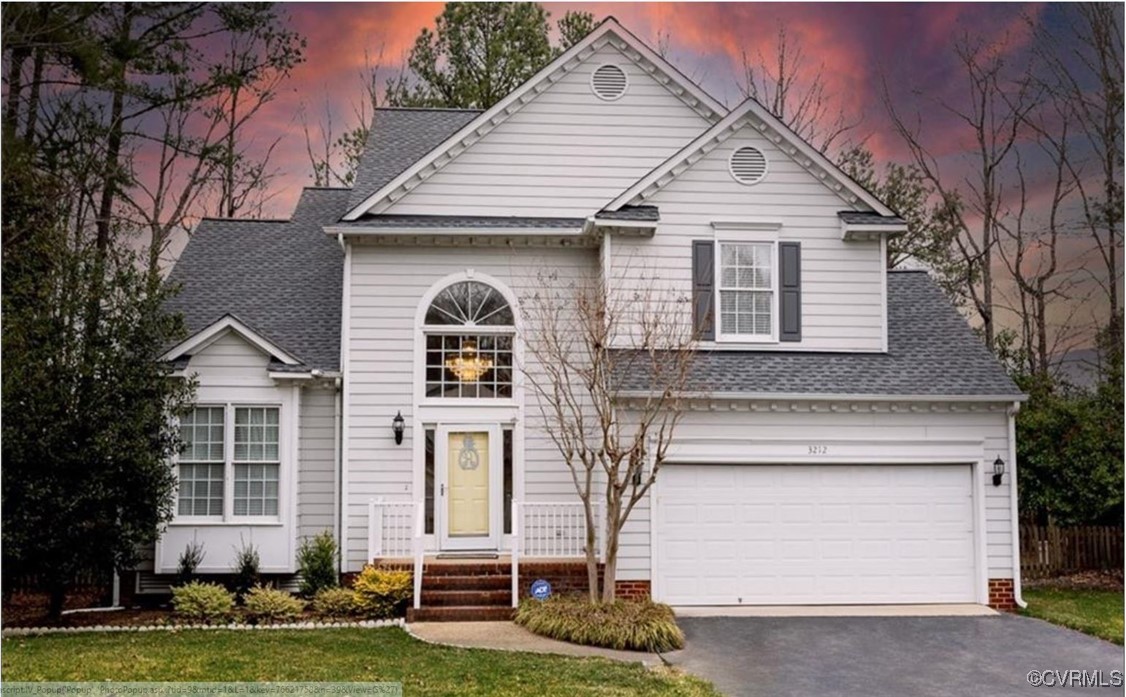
[
  {"x": 228, "y": 517},
  {"x": 720, "y": 336}
]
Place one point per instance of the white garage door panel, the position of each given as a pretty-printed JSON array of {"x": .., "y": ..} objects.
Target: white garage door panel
[{"x": 815, "y": 534}]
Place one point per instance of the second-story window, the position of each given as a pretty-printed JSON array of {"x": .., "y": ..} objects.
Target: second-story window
[
  {"x": 470, "y": 329},
  {"x": 745, "y": 272}
]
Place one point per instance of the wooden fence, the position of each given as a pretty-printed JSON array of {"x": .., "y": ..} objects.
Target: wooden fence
[{"x": 1051, "y": 551}]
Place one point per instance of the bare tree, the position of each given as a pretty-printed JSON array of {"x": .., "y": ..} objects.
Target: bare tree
[
  {"x": 1030, "y": 249},
  {"x": 334, "y": 158},
  {"x": 1085, "y": 71},
  {"x": 994, "y": 111},
  {"x": 583, "y": 338},
  {"x": 796, "y": 94}
]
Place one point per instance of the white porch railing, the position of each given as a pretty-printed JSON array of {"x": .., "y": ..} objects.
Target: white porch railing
[
  {"x": 395, "y": 531},
  {"x": 391, "y": 529},
  {"x": 551, "y": 530}
]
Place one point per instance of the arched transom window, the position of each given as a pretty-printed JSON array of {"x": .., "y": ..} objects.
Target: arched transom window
[{"x": 469, "y": 330}]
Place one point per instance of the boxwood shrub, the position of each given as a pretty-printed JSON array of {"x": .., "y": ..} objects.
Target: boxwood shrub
[
  {"x": 202, "y": 602},
  {"x": 635, "y": 626},
  {"x": 271, "y": 605}
]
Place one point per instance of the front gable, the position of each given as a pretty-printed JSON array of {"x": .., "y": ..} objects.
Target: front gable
[{"x": 554, "y": 147}]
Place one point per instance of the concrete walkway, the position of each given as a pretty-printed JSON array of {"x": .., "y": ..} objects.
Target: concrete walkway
[{"x": 507, "y": 636}]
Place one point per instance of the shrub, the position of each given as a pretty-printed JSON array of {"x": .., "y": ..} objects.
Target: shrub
[
  {"x": 246, "y": 570},
  {"x": 189, "y": 561},
  {"x": 264, "y": 604},
  {"x": 381, "y": 593},
  {"x": 202, "y": 602},
  {"x": 316, "y": 562},
  {"x": 636, "y": 626},
  {"x": 335, "y": 602}
]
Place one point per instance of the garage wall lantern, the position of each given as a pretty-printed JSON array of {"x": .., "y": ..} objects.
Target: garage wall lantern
[
  {"x": 398, "y": 425},
  {"x": 998, "y": 471}
]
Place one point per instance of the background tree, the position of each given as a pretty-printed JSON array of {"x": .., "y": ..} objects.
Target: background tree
[
  {"x": 798, "y": 95},
  {"x": 932, "y": 224},
  {"x": 88, "y": 405},
  {"x": 993, "y": 109},
  {"x": 581, "y": 337},
  {"x": 478, "y": 53}
]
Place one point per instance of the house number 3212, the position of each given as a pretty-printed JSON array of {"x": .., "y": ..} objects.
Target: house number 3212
[{"x": 818, "y": 450}]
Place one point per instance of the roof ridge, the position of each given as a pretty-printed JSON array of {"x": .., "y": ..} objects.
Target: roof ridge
[
  {"x": 426, "y": 108},
  {"x": 223, "y": 219}
]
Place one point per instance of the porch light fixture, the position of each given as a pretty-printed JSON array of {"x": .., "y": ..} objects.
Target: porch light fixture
[
  {"x": 469, "y": 365},
  {"x": 998, "y": 471},
  {"x": 398, "y": 425}
]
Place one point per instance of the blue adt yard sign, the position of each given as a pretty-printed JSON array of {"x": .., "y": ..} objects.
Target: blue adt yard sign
[{"x": 541, "y": 589}]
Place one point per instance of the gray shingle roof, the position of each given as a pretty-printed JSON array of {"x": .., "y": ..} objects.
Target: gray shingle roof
[
  {"x": 931, "y": 352},
  {"x": 862, "y": 218},
  {"x": 398, "y": 138},
  {"x": 460, "y": 221},
  {"x": 283, "y": 279},
  {"x": 643, "y": 213}
]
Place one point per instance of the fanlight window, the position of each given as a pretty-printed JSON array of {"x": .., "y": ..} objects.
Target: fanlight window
[{"x": 473, "y": 364}]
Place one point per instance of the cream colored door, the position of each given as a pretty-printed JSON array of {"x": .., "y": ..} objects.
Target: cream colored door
[{"x": 469, "y": 465}]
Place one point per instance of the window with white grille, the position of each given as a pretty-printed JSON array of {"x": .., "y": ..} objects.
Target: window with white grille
[
  {"x": 470, "y": 330},
  {"x": 748, "y": 165},
  {"x": 200, "y": 492},
  {"x": 256, "y": 462},
  {"x": 231, "y": 462},
  {"x": 609, "y": 82},
  {"x": 746, "y": 289}
]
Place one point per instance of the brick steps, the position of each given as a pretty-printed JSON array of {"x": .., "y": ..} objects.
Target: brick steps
[
  {"x": 461, "y": 614},
  {"x": 466, "y": 583},
  {"x": 466, "y": 598}
]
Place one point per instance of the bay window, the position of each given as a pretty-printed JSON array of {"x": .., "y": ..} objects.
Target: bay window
[{"x": 230, "y": 464}]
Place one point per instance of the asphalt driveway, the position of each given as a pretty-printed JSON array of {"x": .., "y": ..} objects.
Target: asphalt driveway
[{"x": 895, "y": 656}]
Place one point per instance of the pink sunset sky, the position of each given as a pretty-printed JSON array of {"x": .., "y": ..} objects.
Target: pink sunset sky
[{"x": 858, "y": 47}]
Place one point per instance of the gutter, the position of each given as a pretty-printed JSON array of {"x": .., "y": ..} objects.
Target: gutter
[
  {"x": 830, "y": 397},
  {"x": 1013, "y": 507}
]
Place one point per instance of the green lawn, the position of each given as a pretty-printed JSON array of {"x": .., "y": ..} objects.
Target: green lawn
[
  {"x": 351, "y": 655},
  {"x": 1093, "y": 612}
]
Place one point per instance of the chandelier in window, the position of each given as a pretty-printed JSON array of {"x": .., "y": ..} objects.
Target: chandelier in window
[{"x": 469, "y": 365}]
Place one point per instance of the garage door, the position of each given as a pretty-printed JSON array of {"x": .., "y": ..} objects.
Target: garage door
[{"x": 815, "y": 534}]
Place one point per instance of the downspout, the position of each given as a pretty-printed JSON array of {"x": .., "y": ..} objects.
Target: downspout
[
  {"x": 337, "y": 462},
  {"x": 345, "y": 324},
  {"x": 1013, "y": 507}
]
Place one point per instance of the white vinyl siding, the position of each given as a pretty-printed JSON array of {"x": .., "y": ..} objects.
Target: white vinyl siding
[
  {"x": 842, "y": 290},
  {"x": 388, "y": 284},
  {"x": 567, "y": 152},
  {"x": 316, "y": 473}
]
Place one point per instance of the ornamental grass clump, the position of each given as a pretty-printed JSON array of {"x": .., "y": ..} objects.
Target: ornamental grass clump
[
  {"x": 202, "y": 602},
  {"x": 335, "y": 603},
  {"x": 382, "y": 593},
  {"x": 629, "y": 625},
  {"x": 263, "y": 605}
]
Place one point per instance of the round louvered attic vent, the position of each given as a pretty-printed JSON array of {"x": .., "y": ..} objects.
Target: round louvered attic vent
[
  {"x": 748, "y": 165},
  {"x": 609, "y": 82}
]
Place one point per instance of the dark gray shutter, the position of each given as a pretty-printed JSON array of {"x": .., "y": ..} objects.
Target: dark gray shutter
[
  {"x": 789, "y": 281},
  {"x": 703, "y": 288}
]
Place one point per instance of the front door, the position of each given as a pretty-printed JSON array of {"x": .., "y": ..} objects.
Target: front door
[{"x": 469, "y": 468}]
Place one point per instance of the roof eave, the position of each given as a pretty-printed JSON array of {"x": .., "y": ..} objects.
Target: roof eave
[{"x": 835, "y": 397}]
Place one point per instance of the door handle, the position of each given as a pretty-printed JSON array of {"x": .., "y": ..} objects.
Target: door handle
[{"x": 443, "y": 490}]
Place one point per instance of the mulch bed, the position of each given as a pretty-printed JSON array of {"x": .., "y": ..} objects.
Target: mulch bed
[
  {"x": 1086, "y": 580},
  {"x": 30, "y": 610}
]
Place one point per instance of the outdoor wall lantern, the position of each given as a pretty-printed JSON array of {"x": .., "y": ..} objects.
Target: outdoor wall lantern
[
  {"x": 398, "y": 425},
  {"x": 998, "y": 471}
]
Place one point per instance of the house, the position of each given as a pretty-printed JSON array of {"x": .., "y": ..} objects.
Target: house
[{"x": 848, "y": 438}]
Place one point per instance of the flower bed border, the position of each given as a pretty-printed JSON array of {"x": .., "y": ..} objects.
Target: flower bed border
[{"x": 35, "y": 631}]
